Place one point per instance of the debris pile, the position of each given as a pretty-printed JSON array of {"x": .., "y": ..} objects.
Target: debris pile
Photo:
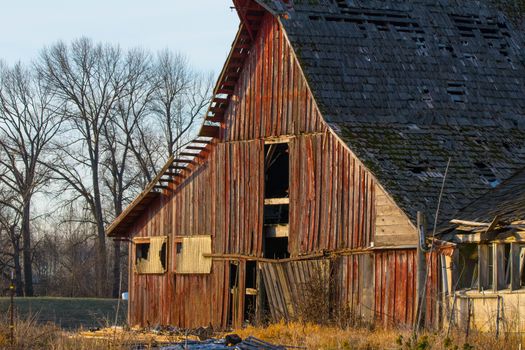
[
  {"x": 172, "y": 338},
  {"x": 250, "y": 343}
]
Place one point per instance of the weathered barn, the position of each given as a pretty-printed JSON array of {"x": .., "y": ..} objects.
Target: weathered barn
[{"x": 331, "y": 127}]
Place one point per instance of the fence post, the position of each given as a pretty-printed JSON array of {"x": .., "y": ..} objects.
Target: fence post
[{"x": 12, "y": 311}]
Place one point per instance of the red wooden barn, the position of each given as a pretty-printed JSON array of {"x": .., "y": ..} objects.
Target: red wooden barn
[{"x": 331, "y": 126}]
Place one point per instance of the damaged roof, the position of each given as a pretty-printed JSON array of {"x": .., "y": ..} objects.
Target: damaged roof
[
  {"x": 507, "y": 202},
  {"x": 409, "y": 84}
]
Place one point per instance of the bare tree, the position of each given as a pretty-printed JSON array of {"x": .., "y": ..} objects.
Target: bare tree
[
  {"x": 29, "y": 120},
  {"x": 121, "y": 170},
  {"x": 181, "y": 98},
  {"x": 90, "y": 78},
  {"x": 10, "y": 239}
]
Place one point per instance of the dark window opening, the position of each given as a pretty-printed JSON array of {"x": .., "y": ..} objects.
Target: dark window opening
[
  {"x": 521, "y": 266},
  {"x": 506, "y": 267},
  {"x": 142, "y": 251},
  {"x": 276, "y": 165},
  {"x": 276, "y": 207},
  {"x": 276, "y": 214},
  {"x": 467, "y": 269},
  {"x": 234, "y": 292},
  {"x": 276, "y": 248},
  {"x": 162, "y": 255},
  {"x": 250, "y": 301}
]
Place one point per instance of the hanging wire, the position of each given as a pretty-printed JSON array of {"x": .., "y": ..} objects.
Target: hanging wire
[{"x": 425, "y": 249}]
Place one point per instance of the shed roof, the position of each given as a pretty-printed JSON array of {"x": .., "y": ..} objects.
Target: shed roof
[
  {"x": 507, "y": 202},
  {"x": 408, "y": 84}
]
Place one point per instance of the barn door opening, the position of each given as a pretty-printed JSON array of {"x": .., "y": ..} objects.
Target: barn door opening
[
  {"x": 276, "y": 200},
  {"x": 251, "y": 291},
  {"x": 233, "y": 308}
]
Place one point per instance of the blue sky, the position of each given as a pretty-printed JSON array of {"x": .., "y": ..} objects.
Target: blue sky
[{"x": 201, "y": 29}]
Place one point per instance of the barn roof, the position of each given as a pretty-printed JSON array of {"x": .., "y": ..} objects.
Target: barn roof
[
  {"x": 507, "y": 202},
  {"x": 408, "y": 84}
]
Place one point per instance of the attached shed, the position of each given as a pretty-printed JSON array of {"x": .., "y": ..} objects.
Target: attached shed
[{"x": 331, "y": 126}]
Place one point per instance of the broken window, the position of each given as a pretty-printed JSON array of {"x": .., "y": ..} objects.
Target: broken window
[
  {"x": 276, "y": 200},
  {"x": 192, "y": 255},
  {"x": 150, "y": 255},
  {"x": 467, "y": 267},
  {"x": 502, "y": 271},
  {"x": 495, "y": 266}
]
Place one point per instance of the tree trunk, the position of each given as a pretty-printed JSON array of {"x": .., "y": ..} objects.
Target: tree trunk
[
  {"x": 26, "y": 248},
  {"x": 116, "y": 252},
  {"x": 102, "y": 258},
  {"x": 19, "y": 286},
  {"x": 116, "y": 269}
]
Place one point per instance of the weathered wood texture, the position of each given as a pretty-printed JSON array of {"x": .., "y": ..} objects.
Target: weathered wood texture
[
  {"x": 331, "y": 196},
  {"x": 395, "y": 288},
  {"x": 392, "y": 225},
  {"x": 331, "y": 203},
  {"x": 272, "y": 97}
]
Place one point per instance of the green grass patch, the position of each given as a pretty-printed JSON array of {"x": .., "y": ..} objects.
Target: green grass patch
[{"x": 68, "y": 313}]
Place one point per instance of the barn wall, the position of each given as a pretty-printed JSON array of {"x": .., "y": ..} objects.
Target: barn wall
[
  {"x": 271, "y": 97},
  {"x": 331, "y": 202},
  {"x": 331, "y": 197},
  {"x": 395, "y": 288},
  {"x": 392, "y": 225}
]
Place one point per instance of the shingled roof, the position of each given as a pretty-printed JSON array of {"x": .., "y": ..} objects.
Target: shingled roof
[
  {"x": 507, "y": 202},
  {"x": 408, "y": 84}
]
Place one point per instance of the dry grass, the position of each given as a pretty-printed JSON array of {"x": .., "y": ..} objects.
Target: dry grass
[
  {"x": 30, "y": 336},
  {"x": 312, "y": 336}
]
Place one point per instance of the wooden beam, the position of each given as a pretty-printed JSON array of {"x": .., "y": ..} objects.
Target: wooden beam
[
  {"x": 188, "y": 154},
  {"x": 209, "y": 131},
  {"x": 469, "y": 223},
  {"x": 178, "y": 167},
  {"x": 276, "y": 231},
  {"x": 113, "y": 228},
  {"x": 179, "y": 160},
  {"x": 276, "y": 201}
]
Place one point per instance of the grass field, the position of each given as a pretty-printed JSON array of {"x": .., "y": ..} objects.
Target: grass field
[{"x": 68, "y": 313}]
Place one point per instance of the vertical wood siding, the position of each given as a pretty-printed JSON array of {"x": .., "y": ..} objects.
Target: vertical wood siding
[
  {"x": 331, "y": 204},
  {"x": 395, "y": 288},
  {"x": 271, "y": 97},
  {"x": 331, "y": 196}
]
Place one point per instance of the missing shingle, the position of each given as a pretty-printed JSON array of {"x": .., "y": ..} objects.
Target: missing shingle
[
  {"x": 457, "y": 91},
  {"x": 422, "y": 49},
  {"x": 380, "y": 20},
  {"x": 426, "y": 97},
  {"x": 487, "y": 174},
  {"x": 489, "y": 28},
  {"x": 470, "y": 58},
  {"x": 341, "y": 4},
  {"x": 423, "y": 169},
  {"x": 447, "y": 49}
]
